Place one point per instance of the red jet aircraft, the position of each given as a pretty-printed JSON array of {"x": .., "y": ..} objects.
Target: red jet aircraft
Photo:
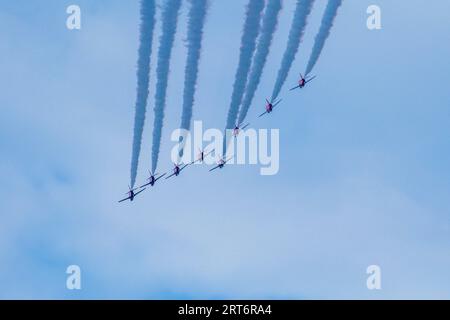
[
  {"x": 237, "y": 129},
  {"x": 152, "y": 179},
  {"x": 177, "y": 170},
  {"x": 303, "y": 81},
  {"x": 131, "y": 194},
  {"x": 221, "y": 163},
  {"x": 202, "y": 155},
  {"x": 269, "y": 107}
]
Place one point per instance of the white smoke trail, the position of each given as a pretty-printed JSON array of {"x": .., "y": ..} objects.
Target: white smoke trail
[
  {"x": 302, "y": 11},
  {"x": 197, "y": 17},
  {"x": 147, "y": 13},
  {"x": 247, "y": 50},
  {"x": 269, "y": 25},
  {"x": 170, "y": 12},
  {"x": 324, "y": 31}
]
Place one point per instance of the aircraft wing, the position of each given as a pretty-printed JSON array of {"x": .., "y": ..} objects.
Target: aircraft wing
[
  {"x": 245, "y": 126},
  {"x": 216, "y": 167},
  {"x": 139, "y": 192},
  {"x": 160, "y": 176},
  {"x": 277, "y": 103},
  {"x": 143, "y": 186},
  {"x": 262, "y": 114},
  {"x": 125, "y": 199},
  {"x": 229, "y": 159},
  {"x": 208, "y": 153},
  {"x": 173, "y": 174},
  {"x": 309, "y": 80},
  {"x": 183, "y": 167},
  {"x": 294, "y": 88}
]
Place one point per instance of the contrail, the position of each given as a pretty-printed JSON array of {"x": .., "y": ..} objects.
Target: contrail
[
  {"x": 268, "y": 28},
  {"x": 302, "y": 11},
  {"x": 147, "y": 13},
  {"x": 197, "y": 17},
  {"x": 170, "y": 12},
  {"x": 248, "y": 45},
  {"x": 324, "y": 31}
]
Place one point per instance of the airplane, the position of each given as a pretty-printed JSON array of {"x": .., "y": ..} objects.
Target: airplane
[
  {"x": 221, "y": 163},
  {"x": 303, "y": 81},
  {"x": 237, "y": 129},
  {"x": 131, "y": 194},
  {"x": 201, "y": 156},
  {"x": 152, "y": 179},
  {"x": 270, "y": 106},
  {"x": 177, "y": 170}
]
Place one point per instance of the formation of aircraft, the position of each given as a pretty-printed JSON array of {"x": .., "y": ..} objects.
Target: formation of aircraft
[
  {"x": 303, "y": 81},
  {"x": 178, "y": 168}
]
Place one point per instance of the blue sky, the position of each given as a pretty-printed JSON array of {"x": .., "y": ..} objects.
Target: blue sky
[{"x": 364, "y": 160}]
